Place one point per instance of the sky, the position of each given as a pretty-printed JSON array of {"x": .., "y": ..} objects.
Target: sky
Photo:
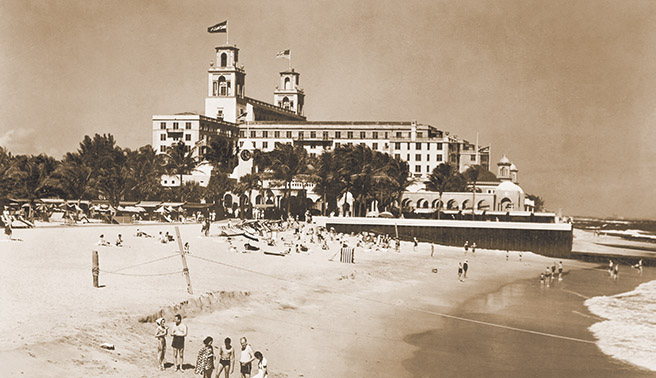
[{"x": 566, "y": 89}]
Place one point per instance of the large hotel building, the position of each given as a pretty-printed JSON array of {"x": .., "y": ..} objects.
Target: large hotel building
[{"x": 260, "y": 125}]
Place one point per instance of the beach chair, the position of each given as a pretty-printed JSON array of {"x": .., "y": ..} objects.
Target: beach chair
[{"x": 347, "y": 256}]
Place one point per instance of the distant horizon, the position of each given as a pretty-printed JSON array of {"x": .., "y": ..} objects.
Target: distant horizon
[{"x": 565, "y": 89}]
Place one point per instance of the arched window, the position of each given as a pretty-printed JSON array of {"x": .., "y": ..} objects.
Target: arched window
[
  {"x": 224, "y": 60},
  {"x": 215, "y": 89},
  {"x": 504, "y": 171},
  {"x": 285, "y": 103},
  {"x": 288, "y": 83},
  {"x": 223, "y": 86}
]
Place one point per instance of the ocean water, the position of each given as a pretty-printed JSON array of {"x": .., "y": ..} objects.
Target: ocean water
[
  {"x": 640, "y": 230},
  {"x": 629, "y": 331}
]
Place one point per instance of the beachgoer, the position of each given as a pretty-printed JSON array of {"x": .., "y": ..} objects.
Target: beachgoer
[
  {"x": 205, "y": 360},
  {"x": 553, "y": 271},
  {"x": 560, "y": 271},
  {"x": 160, "y": 334},
  {"x": 548, "y": 275},
  {"x": 397, "y": 245},
  {"x": 610, "y": 267},
  {"x": 416, "y": 243},
  {"x": 8, "y": 230},
  {"x": 473, "y": 247},
  {"x": 179, "y": 332},
  {"x": 432, "y": 249},
  {"x": 639, "y": 266},
  {"x": 246, "y": 358},
  {"x": 226, "y": 358},
  {"x": 102, "y": 241},
  {"x": 466, "y": 245},
  {"x": 162, "y": 239},
  {"x": 616, "y": 271},
  {"x": 507, "y": 254},
  {"x": 186, "y": 248},
  {"x": 465, "y": 266},
  {"x": 262, "y": 370},
  {"x": 169, "y": 237},
  {"x": 119, "y": 241},
  {"x": 541, "y": 278},
  {"x": 460, "y": 271},
  {"x": 520, "y": 255}
]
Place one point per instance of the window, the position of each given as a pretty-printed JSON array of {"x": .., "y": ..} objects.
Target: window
[
  {"x": 407, "y": 157},
  {"x": 439, "y": 146},
  {"x": 349, "y": 134},
  {"x": 399, "y": 134},
  {"x": 418, "y": 168},
  {"x": 224, "y": 60},
  {"x": 253, "y": 133},
  {"x": 313, "y": 134},
  {"x": 162, "y": 148},
  {"x": 188, "y": 137},
  {"x": 312, "y": 154},
  {"x": 338, "y": 134},
  {"x": 188, "y": 125},
  {"x": 439, "y": 157},
  {"x": 397, "y": 156},
  {"x": 175, "y": 125},
  {"x": 418, "y": 146},
  {"x": 219, "y": 113},
  {"x": 420, "y": 134},
  {"x": 363, "y": 134},
  {"x": 301, "y": 135},
  {"x": 427, "y": 168},
  {"x": 162, "y": 137},
  {"x": 397, "y": 145},
  {"x": 289, "y": 134},
  {"x": 265, "y": 134},
  {"x": 418, "y": 157},
  {"x": 472, "y": 158},
  {"x": 374, "y": 146},
  {"x": 375, "y": 135},
  {"x": 162, "y": 125},
  {"x": 265, "y": 144},
  {"x": 276, "y": 134},
  {"x": 242, "y": 134},
  {"x": 427, "y": 157},
  {"x": 386, "y": 133},
  {"x": 325, "y": 135},
  {"x": 337, "y": 144}
]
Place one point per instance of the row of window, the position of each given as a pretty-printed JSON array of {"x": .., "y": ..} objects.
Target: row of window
[
  {"x": 418, "y": 146},
  {"x": 175, "y": 137},
  {"x": 176, "y": 125},
  {"x": 438, "y": 158},
  {"x": 327, "y": 134}
]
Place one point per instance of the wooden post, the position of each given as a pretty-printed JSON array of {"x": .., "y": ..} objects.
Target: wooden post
[
  {"x": 95, "y": 268},
  {"x": 185, "y": 268}
]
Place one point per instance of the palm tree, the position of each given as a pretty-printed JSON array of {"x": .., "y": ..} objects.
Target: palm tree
[
  {"x": 443, "y": 178},
  {"x": 250, "y": 182},
  {"x": 74, "y": 177},
  {"x": 327, "y": 181},
  {"x": 179, "y": 160},
  {"x": 286, "y": 163},
  {"x": 471, "y": 174},
  {"x": 146, "y": 169}
]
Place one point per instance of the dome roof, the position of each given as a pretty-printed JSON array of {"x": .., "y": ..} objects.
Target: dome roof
[
  {"x": 504, "y": 160},
  {"x": 508, "y": 186},
  {"x": 513, "y": 167}
]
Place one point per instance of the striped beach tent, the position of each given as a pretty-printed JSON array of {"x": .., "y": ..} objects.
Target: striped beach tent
[{"x": 347, "y": 255}]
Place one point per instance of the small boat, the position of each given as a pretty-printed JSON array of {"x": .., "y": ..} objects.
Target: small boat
[{"x": 251, "y": 236}]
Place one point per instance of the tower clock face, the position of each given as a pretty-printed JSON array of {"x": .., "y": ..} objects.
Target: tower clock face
[{"x": 245, "y": 155}]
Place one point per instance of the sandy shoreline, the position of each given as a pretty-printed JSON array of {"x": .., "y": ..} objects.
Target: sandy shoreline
[{"x": 309, "y": 316}]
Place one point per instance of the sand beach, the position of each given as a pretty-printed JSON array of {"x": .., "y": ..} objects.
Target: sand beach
[{"x": 388, "y": 314}]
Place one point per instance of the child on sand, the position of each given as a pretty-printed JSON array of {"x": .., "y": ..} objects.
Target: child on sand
[
  {"x": 205, "y": 361},
  {"x": 119, "y": 241},
  {"x": 160, "y": 334}
]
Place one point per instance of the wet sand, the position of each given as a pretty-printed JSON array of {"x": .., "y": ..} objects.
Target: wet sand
[{"x": 459, "y": 348}]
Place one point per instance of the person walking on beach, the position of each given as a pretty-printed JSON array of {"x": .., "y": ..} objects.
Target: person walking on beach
[
  {"x": 160, "y": 334},
  {"x": 473, "y": 247},
  {"x": 460, "y": 271},
  {"x": 262, "y": 370},
  {"x": 466, "y": 245},
  {"x": 465, "y": 266},
  {"x": 205, "y": 360},
  {"x": 179, "y": 332},
  {"x": 639, "y": 266},
  {"x": 553, "y": 271},
  {"x": 507, "y": 254},
  {"x": 226, "y": 359},
  {"x": 616, "y": 271},
  {"x": 246, "y": 358},
  {"x": 610, "y": 267},
  {"x": 416, "y": 244},
  {"x": 560, "y": 271}
]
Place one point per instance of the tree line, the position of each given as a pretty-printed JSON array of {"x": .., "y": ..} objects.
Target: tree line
[{"x": 100, "y": 169}]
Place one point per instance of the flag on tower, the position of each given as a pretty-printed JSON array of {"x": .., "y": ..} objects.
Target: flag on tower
[
  {"x": 221, "y": 27},
  {"x": 283, "y": 54}
]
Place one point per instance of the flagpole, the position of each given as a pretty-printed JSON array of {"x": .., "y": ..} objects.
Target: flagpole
[
  {"x": 290, "y": 60},
  {"x": 227, "y": 33}
]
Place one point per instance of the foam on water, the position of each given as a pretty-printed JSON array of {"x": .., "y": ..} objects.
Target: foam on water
[{"x": 629, "y": 333}]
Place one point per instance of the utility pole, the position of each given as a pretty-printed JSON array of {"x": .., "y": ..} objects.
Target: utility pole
[{"x": 185, "y": 268}]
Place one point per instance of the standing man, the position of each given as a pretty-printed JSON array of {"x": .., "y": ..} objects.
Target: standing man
[
  {"x": 246, "y": 358},
  {"x": 465, "y": 266},
  {"x": 179, "y": 332}
]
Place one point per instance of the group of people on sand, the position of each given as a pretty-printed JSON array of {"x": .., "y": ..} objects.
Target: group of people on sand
[
  {"x": 463, "y": 267},
  {"x": 549, "y": 275},
  {"x": 207, "y": 361},
  {"x": 104, "y": 243},
  {"x": 472, "y": 246}
]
